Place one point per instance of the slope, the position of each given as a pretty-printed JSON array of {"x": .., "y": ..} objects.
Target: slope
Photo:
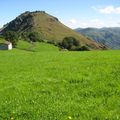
[
  {"x": 107, "y": 36},
  {"x": 36, "y": 47},
  {"x": 48, "y": 27}
]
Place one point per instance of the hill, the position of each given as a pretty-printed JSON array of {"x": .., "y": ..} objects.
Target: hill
[
  {"x": 110, "y": 37},
  {"x": 48, "y": 28}
]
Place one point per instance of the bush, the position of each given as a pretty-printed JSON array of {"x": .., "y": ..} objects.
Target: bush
[
  {"x": 70, "y": 43},
  {"x": 84, "y": 48},
  {"x": 34, "y": 37},
  {"x": 12, "y": 37},
  {"x": 50, "y": 41}
]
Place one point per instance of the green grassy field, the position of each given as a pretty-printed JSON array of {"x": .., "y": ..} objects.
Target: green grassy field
[
  {"x": 36, "y": 47},
  {"x": 59, "y": 85}
]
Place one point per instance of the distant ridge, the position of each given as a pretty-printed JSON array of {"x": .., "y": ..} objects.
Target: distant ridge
[
  {"x": 48, "y": 27},
  {"x": 110, "y": 36}
]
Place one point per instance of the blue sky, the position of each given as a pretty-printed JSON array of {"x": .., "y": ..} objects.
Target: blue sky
[{"x": 73, "y": 13}]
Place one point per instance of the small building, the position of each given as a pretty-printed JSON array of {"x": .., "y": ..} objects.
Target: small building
[{"x": 6, "y": 45}]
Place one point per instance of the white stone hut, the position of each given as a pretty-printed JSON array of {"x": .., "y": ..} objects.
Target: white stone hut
[{"x": 6, "y": 46}]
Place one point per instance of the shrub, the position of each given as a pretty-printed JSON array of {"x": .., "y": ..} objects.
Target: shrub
[
  {"x": 12, "y": 37},
  {"x": 34, "y": 37},
  {"x": 84, "y": 48},
  {"x": 70, "y": 43}
]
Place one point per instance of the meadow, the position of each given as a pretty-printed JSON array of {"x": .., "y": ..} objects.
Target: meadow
[{"x": 54, "y": 85}]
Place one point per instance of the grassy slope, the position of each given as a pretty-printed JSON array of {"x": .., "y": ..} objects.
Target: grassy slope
[
  {"x": 108, "y": 36},
  {"x": 36, "y": 47},
  {"x": 48, "y": 28},
  {"x": 1, "y": 40},
  {"x": 54, "y": 30},
  {"x": 59, "y": 85}
]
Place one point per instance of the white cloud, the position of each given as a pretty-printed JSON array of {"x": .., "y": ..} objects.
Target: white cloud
[
  {"x": 93, "y": 23},
  {"x": 108, "y": 10},
  {"x": 73, "y": 21},
  {"x": 80, "y": 23},
  {"x": 70, "y": 23},
  {"x": 98, "y": 23}
]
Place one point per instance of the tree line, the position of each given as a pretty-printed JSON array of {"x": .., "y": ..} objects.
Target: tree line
[{"x": 69, "y": 43}]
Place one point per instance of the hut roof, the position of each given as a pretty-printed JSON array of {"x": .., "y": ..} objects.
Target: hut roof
[{"x": 7, "y": 42}]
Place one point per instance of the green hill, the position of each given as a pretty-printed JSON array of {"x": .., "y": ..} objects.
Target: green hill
[
  {"x": 47, "y": 27},
  {"x": 33, "y": 47},
  {"x": 36, "y": 47},
  {"x": 110, "y": 37}
]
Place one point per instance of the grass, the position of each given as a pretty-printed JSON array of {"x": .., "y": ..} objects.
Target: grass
[
  {"x": 1, "y": 40},
  {"x": 36, "y": 47},
  {"x": 59, "y": 85}
]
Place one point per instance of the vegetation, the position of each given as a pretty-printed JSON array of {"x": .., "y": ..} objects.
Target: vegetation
[
  {"x": 84, "y": 48},
  {"x": 72, "y": 44},
  {"x": 35, "y": 47},
  {"x": 109, "y": 37},
  {"x": 1, "y": 39},
  {"x": 34, "y": 37},
  {"x": 12, "y": 37},
  {"x": 29, "y": 25},
  {"x": 59, "y": 85}
]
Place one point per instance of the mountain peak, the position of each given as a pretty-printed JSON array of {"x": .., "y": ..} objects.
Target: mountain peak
[{"x": 46, "y": 26}]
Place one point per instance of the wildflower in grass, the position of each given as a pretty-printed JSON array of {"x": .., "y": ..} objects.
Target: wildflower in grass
[
  {"x": 11, "y": 118},
  {"x": 117, "y": 117},
  {"x": 69, "y": 117}
]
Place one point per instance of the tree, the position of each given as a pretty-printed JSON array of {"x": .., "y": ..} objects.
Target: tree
[
  {"x": 12, "y": 37},
  {"x": 70, "y": 43},
  {"x": 84, "y": 48},
  {"x": 34, "y": 37}
]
